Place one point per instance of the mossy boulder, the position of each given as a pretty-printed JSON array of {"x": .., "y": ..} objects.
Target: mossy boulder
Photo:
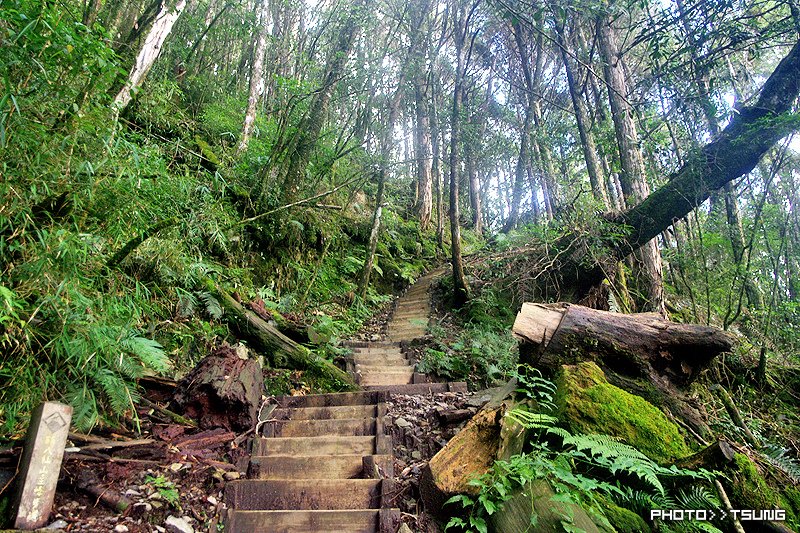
[{"x": 588, "y": 403}]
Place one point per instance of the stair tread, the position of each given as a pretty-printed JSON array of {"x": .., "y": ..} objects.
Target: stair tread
[
  {"x": 349, "y": 466},
  {"x": 330, "y": 445},
  {"x": 302, "y": 494},
  {"x": 305, "y": 521},
  {"x": 325, "y": 413}
]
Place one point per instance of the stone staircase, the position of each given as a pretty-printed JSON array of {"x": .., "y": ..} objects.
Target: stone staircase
[{"x": 324, "y": 463}]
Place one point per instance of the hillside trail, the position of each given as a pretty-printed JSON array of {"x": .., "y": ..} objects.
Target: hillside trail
[{"x": 324, "y": 462}]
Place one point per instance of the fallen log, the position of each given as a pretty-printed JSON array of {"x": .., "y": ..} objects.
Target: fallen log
[
  {"x": 280, "y": 347},
  {"x": 641, "y": 353},
  {"x": 635, "y": 345}
]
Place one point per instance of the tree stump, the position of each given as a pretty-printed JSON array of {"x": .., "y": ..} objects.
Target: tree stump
[{"x": 222, "y": 391}]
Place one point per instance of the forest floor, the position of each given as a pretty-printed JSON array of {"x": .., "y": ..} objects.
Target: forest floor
[{"x": 171, "y": 477}]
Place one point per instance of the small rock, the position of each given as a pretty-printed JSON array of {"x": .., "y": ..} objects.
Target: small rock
[
  {"x": 160, "y": 529},
  {"x": 402, "y": 423},
  {"x": 230, "y": 476},
  {"x": 416, "y": 454},
  {"x": 178, "y": 525},
  {"x": 241, "y": 351},
  {"x": 212, "y": 500},
  {"x": 120, "y": 528},
  {"x": 58, "y": 524}
]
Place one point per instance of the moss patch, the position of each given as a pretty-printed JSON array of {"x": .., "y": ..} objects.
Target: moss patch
[
  {"x": 623, "y": 520},
  {"x": 589, "y": 404}
]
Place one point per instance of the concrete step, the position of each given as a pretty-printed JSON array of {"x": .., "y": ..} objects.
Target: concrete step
[
  {"x": 349, "y": 521},
  {"x": 325, "y": 413},
  {"x": 386, "y": 378},
  {"x": 329, "y": 445},
  {"x": 315, "y": 466},
  {"x": 331, "y": 400},
  {"x": 301, "y": 494}
]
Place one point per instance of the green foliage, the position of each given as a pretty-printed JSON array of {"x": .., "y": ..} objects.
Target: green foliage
[
  {"x": 479, "y": 355},
  {"x": 165, "y": 488},
  {"x": 583, "y": 469}
]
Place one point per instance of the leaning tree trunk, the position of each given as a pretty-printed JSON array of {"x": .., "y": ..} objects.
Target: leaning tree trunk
[
  {"x": 593, "y": 167},
  {"x": 162, "y": 26},
  {"x": 310, "y": 126},
  {"x": 256, "y": 75}
]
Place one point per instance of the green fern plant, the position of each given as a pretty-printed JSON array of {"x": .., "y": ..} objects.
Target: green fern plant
[{"x": 778, "y": 457}]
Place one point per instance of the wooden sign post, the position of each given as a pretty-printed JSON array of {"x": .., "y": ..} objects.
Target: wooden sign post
[{"x": 41, "y": 464}]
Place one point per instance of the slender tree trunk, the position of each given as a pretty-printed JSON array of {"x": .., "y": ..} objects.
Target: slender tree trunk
[
  {"x": 162, "y": 26},
  {"x": 525, "y": 132},
  {"x": 460, "y": 288},
  {"x": 633, "y": 177},
  {"x": 436, "y": 168},
  {"x": 256, "y": 75},
  {"x": 474, "y": 187},
  {"x": 422, "y": 149},
  {"x": 593, "y": 166},
  {"x": 90, "y": 13}
]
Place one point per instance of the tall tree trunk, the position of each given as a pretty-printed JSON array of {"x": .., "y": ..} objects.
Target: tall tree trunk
[
  {"x": 460, "y": 288},
  {"x": 162, "y": 26},
  {"x": 436, "y": 166},
  {"x": 633, "y": 178},
  {"x": 525, "y": 132},
  {"x": 593, "y": 167},
  {"x": 311, "y": 125},
  {"x": 474, "y": 187},
  {"x": 256, "y": 74},
  {"x": 422, "y": 149}
]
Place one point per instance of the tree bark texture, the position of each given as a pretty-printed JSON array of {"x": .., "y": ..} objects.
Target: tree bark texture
[
  {"x": 460, "y": 290},
  {"x": 162, "y": 26}
]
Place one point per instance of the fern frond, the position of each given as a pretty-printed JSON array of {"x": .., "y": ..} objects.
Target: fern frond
[
  {"x": 213, "y": 307},
  {"x": 149, "y": 352},
  {"x": 120, "y": 394},
  {"x": 697, "y": 497},
  {"x": 777, "y": 456}
]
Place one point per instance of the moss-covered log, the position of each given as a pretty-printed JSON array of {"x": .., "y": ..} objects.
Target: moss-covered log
[
  {"x": 279, "y": 347},
  {"x": 641, "y": 353}
]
